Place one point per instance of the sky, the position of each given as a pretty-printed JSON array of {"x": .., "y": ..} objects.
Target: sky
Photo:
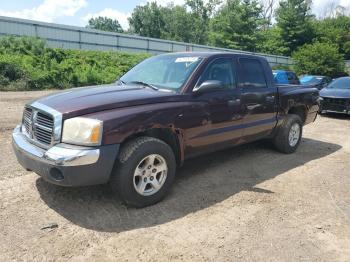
[{"x": 78, "y": 12}]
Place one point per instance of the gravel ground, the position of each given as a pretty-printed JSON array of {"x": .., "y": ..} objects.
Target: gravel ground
[{"x": 243, "y": 204}]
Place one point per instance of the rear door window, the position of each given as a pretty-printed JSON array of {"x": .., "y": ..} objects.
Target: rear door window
[{"x": 252, "y": 75}]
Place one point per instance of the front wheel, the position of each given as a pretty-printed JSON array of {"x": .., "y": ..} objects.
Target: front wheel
[
  {"x": 144, "y": 171},
  {"x": 289, "y": 134}
]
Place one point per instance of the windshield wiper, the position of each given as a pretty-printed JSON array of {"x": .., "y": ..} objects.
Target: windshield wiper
[
  {"x": 120, "y": 82},
  {"x": 144, "y": 84}
]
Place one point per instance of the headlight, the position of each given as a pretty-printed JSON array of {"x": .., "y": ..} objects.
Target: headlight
[{"x": 82, "y": 131}]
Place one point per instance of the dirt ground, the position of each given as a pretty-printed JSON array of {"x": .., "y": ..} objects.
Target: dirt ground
[{"x": 249, "y": 203}]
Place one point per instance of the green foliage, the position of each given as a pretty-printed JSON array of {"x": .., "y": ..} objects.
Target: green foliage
[
  {"x": 22, "y": 45},
  {"x": 336, "y": 31},
  {"x": 148, "y": 20},
  {"x": 318, "y": 59},
  {"x": 196, "y": 22},
  {"x": 24, "y": 66},
  {"x": 11, "y": 71},
  {"x": 294, "y": 19},
  {"x": 187, "y": 23},
  {"x": 177, "y": 23},
  {"x": 270, "y": 41},
  {"x": 105, "y": 24},
  {"x": 199, "y": 14},
  {"x": 236, "y": 25}
]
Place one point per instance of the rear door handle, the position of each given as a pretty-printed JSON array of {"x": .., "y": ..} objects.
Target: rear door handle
[{"x": 234, "y": 102}]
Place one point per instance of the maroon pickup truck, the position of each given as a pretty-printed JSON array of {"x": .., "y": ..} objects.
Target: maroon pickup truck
[{"x": 134, "y": 133}]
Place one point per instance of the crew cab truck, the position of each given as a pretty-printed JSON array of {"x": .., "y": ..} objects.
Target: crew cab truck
[{"x": 134, "y": 133}]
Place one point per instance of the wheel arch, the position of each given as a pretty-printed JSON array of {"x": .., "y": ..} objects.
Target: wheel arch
[
  {"x": 170, "y": 136},
  {"x": 300, "y": 111}
]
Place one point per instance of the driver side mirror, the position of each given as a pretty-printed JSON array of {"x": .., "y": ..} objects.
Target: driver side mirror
[{"x": 209, "y": 86}]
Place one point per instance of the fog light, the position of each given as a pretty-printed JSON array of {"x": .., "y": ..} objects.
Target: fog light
[{"x": 56, "y": 174}]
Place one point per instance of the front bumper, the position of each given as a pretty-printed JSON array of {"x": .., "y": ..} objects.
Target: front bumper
[
  {"x": 336, "y": 112},
  {"x": 327, "y": 107},
  {"x": 64, "y": 164}
]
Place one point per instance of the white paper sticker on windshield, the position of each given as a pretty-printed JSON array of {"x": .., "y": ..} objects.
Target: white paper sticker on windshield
[{"x": 186, "y": 59}]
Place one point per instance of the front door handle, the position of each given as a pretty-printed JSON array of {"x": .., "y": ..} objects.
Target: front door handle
[
  {"x": 270, "y": 99},
  {"x": 234, "y": 102}
]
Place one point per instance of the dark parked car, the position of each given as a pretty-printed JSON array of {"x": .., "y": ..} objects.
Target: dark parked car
[
  {"x": 318, "y": 82},
  {"x": 169, "y": 108},
  {"x": 336, "y": 96},
  {"x": 285, "y": 77}
]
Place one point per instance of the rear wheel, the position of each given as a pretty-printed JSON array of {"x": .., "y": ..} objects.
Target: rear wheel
[
  {"x": 144, "y": 171},
  {"x": 289, "y": 134}
]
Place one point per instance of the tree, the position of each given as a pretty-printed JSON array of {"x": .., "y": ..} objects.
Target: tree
[
  {"x": 187, "y": 23},
  {"x": 178, "y": 24},
  {"x": 270, "y": 41},
  {"x": 236, "y": 25},
  {"x": 200, "y": 14},
  {"x": 268, "y": 12},
  {"x": 105, "y": 24},
  {"x": 336, "y": 31},
  {"x": 318, "y": 59},
  {"x": 147, "y": 20},
  {"x": 294, "y": 19}
]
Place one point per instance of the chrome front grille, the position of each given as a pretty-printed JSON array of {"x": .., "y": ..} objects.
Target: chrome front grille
[
  {"x": 44, "y": 120},
  {"x": 38, "y": 126},
  {"x": 43, "y": 128},
  {"x": 27, "y": 119}
]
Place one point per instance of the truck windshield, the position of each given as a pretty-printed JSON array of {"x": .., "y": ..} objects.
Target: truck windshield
[{"x": 165, "y": 71}]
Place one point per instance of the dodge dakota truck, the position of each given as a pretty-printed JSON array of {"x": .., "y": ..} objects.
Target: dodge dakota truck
[{"x": 133, "y": 134}]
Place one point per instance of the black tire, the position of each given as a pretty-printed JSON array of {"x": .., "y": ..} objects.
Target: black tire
[
  {"x": 281, "y": 140},
  {"x": 131, "y": 154}
]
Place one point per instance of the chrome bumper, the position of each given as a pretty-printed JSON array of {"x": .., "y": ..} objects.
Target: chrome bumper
[
  {"x": 66, "y": 165},
  {"x": 60, "y": 154}
]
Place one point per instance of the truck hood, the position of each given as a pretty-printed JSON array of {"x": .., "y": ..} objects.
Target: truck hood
[
  {"x": 336, "y": 93},
  {"x": 86, "y": 100}
]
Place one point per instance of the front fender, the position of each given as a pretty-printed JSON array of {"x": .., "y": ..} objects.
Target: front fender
[{"x": 120, "y": 123}]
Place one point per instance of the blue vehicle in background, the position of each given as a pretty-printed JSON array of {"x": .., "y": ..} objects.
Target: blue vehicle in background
[
  {"x": 318, "y": 82},
  {"x": 285, "y": 77}
]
